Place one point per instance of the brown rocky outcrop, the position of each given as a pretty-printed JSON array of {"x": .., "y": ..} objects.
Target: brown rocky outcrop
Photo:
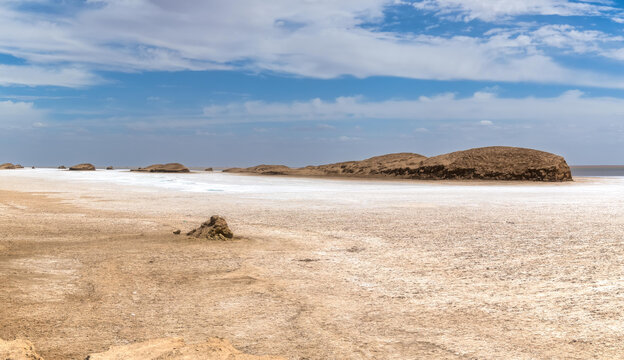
[
  {"x": 214, "y": 229},
  {"x": 164, "y": 168},
  {"x": 62, "y": 167},
  {"x": 488, "y": 163},
  {"x": 263, "y": 170},
  {"x": 7, "y": 166},
  {"x": 208, "y": 169},
  {"x": 496, "y": 163},
  {"x": 109, "y": 168},
  {"x": 82, "y": 167},
  {"x": 18, "y": 350},
  {"x": 18, "y": 166}
]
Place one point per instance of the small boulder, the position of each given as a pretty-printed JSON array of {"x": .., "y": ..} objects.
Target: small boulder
[
  {"x": 62, "y": 167},
  {"x": 214, "y": 229},
  {"x": 109, "y": 168},
  {"x": 82, "y": 167},
  {"x": 208, "y": 169},
  {"x": 177, "y": 232}
]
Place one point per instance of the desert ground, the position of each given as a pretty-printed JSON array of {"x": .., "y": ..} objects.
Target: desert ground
[{"x": 319, "y": 269}]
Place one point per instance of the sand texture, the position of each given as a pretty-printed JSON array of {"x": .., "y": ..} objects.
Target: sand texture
[
  {"x": 489, "y": 163},
  {"x": 319, "y": 269}
]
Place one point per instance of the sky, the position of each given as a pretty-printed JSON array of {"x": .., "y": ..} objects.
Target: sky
[{"x": 298, "y": 82}]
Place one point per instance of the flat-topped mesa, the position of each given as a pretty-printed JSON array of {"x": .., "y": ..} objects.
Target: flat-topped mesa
[
  {"x": 164, "y": 168},
  {"x": 82, "y": 167},
  {"x": 7, "y": 166},
  {"x": 495, "y": 163}
]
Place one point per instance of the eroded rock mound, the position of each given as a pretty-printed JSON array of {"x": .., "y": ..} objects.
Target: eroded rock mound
[
  {"x": 18, "y": 350},
  {"x": 62, "y": 167},
  {"x": 7, "y": 166},
  {"x": 18, "y": 166},
  {"x": 385, "y": 165},
  {"x": 177, "y": 349},
  {"x": 495, "y": 163},
  {"x": 214, "y": 229},
  {"x": 264, "y": 170},
  {"x": 488, "y": 163},
  {"x": 208, "y": 169},
  {"x": 164, "y": 168},
  {"x": 109, "y": 168},
  {"x": 82, "y": 167}
]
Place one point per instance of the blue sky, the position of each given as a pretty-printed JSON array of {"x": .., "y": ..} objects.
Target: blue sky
[{"x": 236, "y": 83}]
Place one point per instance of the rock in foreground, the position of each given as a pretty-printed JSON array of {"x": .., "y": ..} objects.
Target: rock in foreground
[
  {"x": 164, "y": 168},
  {"x": 488, "y": 163},
  {"x": 18, "y": 350},
  {"x": 214, "y": 229},
  {"x": 82, "y": 167}
]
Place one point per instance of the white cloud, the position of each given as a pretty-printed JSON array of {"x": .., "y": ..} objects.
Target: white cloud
[
  {"x": 569, "y": 106},
  {"x": 15, "y": 115},
  {"x": 322, "y": 39},
  {"x": 491, "y": 10},
  {"x": 38, "y": 75}
]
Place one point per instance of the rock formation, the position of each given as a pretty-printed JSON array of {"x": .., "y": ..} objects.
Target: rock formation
[
  {"x": 7, "y": 166},
  {"x": 109, "y": 168},
  {"x": 489, "y": 163},
  {"x": 18, "y": 350},
  {"x": 166, "y": 168},
  {"x": 82, "y": 167},
  {"x": 62, "y": 167},
  {"x": 264, "y": 170},
  {"x": 208, "y": 169},
  {"x": 495, "y": 163},
  {"x": 214, "y": 229},
  {"x": 18, "y": 166}
]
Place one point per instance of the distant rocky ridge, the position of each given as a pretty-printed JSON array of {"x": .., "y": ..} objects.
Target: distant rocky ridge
[
  {"x": 166, "y": 168},
  {"x": 488, "y": 163},
  {"x": 82, "y": 167},
  {"x": 166, "y": 348},
  {"x": 7, "y": 166}
]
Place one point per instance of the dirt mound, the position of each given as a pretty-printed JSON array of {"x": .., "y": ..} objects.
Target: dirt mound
[
  {"x": 165, "y": 168},
  {"x": 177, "y": 349},
  {"x": 82, "y": 167},
  {"x": 263, "y": 170},
  {"x": 7, "y": 166},
  {"x": 496, "y": 163},
  {"x": 18, "y": 350},
  {"x": 214, "y": 229}
]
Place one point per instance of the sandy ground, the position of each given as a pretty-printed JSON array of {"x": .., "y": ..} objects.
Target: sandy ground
[{"x": 431, "y": 275}]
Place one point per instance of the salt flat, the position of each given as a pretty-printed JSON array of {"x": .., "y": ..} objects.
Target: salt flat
[{"x": 323, "y": 268}]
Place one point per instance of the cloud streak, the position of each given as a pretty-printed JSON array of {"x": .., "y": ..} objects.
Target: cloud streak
[{"x": 320, "y": 39}]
